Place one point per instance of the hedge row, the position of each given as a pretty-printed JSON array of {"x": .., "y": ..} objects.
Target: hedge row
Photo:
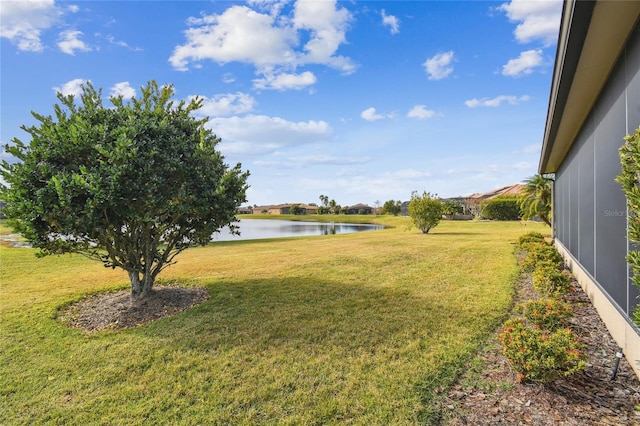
[{"x": 538, "y": 344}]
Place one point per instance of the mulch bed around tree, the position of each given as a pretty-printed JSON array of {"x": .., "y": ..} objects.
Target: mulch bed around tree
[
  {"x": 491, "y": 396},
  {"x": 119, "y": 310}
]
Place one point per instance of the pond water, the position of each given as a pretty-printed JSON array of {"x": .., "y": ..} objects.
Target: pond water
[{"x": 255, "y": 229}]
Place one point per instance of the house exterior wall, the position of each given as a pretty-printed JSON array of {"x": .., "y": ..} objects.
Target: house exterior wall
[{"x": 590, "y": 208}]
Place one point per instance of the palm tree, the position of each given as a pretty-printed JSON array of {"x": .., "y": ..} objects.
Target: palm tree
[
  {"x": 536, "y": 198},
  {"x": 324, "y": 208}
]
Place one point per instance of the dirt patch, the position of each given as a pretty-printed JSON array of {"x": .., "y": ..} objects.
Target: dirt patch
[
  {"x": 119, "y": 310},
  {"x": 489, "y": 395}
]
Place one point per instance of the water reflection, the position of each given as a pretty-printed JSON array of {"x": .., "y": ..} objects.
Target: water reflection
[{"x": 255, "y": 229}]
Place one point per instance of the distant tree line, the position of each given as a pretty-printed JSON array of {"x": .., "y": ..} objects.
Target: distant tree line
[{"x": 533, "y": 202}]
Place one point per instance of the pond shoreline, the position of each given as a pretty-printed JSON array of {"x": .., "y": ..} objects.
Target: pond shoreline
[
  {"x": 255, "y": 229},
  {"x": 270, "y": 227}
]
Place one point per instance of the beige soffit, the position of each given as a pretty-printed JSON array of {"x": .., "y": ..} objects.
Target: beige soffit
[{"x": 611, "y": 24}]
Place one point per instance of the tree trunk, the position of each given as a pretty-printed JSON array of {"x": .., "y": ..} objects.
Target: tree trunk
[{"x": 140, "y": 288}]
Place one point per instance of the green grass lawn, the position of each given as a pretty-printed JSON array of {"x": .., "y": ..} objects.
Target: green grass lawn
[{"x": 363, "y": 328}]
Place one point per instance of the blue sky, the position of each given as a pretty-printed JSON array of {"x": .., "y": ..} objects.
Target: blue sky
[{"x": 362, "y": 101}]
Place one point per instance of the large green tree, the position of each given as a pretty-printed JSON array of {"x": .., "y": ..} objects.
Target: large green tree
[
  {"x": 131, "y": 185},
  {"x": 392, "y": 207},
  {"x": 536, "y": 198},
  {"x": 425, "y": 211}
]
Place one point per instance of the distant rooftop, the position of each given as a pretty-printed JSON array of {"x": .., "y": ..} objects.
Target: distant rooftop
[{"x": 515, "y": 189}]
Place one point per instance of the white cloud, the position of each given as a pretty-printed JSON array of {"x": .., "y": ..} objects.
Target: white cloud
[
  {"x": 370, "y": 114},
  {"x": 421, "y": 112},
  {"x": 239, "y": 34},
  {"x": 275, "y": 164},
  {"x": 73, "y": 87},
  {"x": 496, "y": 102},
  {"x": 22, "y": 22},
  {"x": 532, "y": 149},
  {"x": 311, "y": 160},
  {"x": 407, "y": 174},
  {"x": 259, "y": 134},
  {"x": 269, "y": 42},
  {"x": 538, "y": 20},
  {"x": 524, "y": 64},
  {"x": 328, "y": 160},
  {"x": 69, "y": 42},
  {"x": 383, "y": 186},
  {"x": 351, "y": 172},
  {"x": 482, "y": 172},
  {"x": 439, "y": 66},
  {"x": 327, "y": 26},
  {"x": 123, "y": 89},
  {"x": 285, "y": 81},
  {"x": 391, "y": 21},
  {"x": 227, "y": 104},
  {"x": 272, "y": 6},
  {"x": 523, "y": 165},
  {"x": 111, "y": 39}
]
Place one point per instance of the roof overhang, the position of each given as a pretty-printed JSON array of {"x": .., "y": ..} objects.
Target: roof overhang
[{"x": 592, "y": 36}]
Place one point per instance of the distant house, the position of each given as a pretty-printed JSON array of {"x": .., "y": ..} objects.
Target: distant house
[
  {"x": 285, "y": 209},
  {"x": 245, "y": 210},
  {"x": 358, "y": 209},
  {"x": 594, "y": 103},
  {"x": 309, "y": 208},
  {"x": 472, "y": 203}
]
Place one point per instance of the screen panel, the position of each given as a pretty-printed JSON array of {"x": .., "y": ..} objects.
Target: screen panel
[
  {"x": 585, "y": 199},
  {"x": 590, "y": 207},
  {"x": 610, "y": 203},
  {"x": 560, "y": 200}
]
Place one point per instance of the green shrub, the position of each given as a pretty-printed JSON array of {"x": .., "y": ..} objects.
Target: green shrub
[
  {"x": 539, "y": 355},
  {"x": 550, "y": 281},
  {"x": 425, "y": 210},
  {"x": 546, "y": 314},
  {"x": 629, "y": 179},
  {"x": 539, "y": 253},
  {"x": 502, "y": 208},
  {"x": 531, "y": 237}
]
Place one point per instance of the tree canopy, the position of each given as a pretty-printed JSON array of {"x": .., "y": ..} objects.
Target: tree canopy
[
  {"x": 392, "y": 207},
  {"x": 536, "y": 198},
  {"x": 425, "y": 211},
  {"x": 131, "y": 185}
]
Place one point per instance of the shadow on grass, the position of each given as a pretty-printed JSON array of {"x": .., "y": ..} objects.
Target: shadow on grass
[
  {"x": 269, "y": 312},
  {"x": 449, "y": 233},
  {"x": 353, "y": 329}
]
